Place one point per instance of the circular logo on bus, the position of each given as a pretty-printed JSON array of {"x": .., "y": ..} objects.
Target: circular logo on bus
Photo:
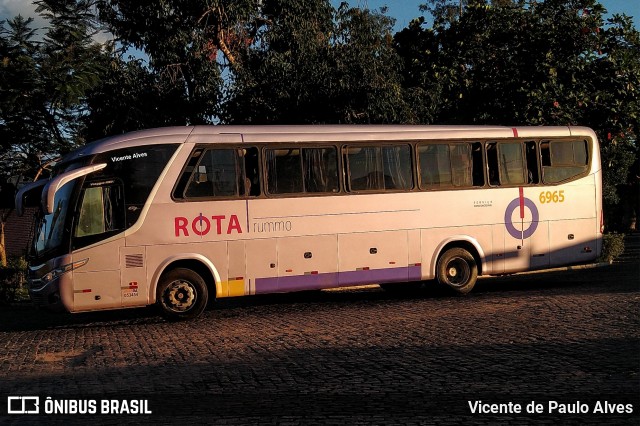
[{"x": 521, "y": 203}]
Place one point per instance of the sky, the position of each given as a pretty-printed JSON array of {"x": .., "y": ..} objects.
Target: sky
[
  {"x": 406, "y": 10},
  {"x": 402, "y": 10}
]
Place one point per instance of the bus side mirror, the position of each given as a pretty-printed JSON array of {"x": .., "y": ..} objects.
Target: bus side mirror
[
  {"x": 49, "y": 192},
  {"x": 29, "y": 196}
]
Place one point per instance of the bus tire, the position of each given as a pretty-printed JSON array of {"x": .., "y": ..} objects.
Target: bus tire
[
  {"x": 182, "y": 294},
  {"x": 458, "y": 270}
]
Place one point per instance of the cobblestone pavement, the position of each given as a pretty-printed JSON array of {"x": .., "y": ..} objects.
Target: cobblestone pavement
[{"x": 348, "y": 357}]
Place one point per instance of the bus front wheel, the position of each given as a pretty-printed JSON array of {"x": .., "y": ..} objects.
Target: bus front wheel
[
  {"x": 458, "y": 270},
  {"x": 182, "y": 294}
]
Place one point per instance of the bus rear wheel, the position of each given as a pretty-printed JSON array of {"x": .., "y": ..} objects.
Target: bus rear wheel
[
  {"x": 182, "y": 294},
  {"x": 458, "y": 270}
]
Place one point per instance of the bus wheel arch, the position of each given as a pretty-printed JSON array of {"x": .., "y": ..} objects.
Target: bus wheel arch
[
  {"x": 458, "y": 266},
  {"x": 183, "y": 288}
]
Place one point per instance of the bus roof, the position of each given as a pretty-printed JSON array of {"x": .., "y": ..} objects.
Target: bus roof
[{"x": 309, "y": 133}]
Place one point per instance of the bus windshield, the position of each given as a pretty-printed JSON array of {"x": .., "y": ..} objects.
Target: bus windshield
[{"x": 49, "y": 234}]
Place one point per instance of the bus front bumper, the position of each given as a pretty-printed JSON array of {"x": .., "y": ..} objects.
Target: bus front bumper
[{"x": 46, "y": 296}]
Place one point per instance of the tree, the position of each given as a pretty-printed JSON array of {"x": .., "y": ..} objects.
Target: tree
[
  {"x": 554, "y": 62},
  {"x": 286, "y": 67},
  {"x": 43, "y": 86},
  {"x": 182, "y": 40},
  {"x": 44, "y": 83},
  {"x": 22, "y": 107},
  {"x": 311, "y": 63}
]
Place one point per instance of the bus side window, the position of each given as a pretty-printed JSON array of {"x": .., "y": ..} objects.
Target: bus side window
[
  {"x": 302, "y": 170},
  {"x": 379, "y": 168},
  {"x": 183, "y": 181},
  {"x": 545, "y": 154},
  {"x": 456, "y": 165},
  {"x": 562, "y": 160},
  {"x": 101, "y": 210},
  {"x": 461, "y": 165},
  {"x": 220, "y": 172},
  {"x": 320, "y": 167},
  {"x": 216, "y": 175},
  {"x": 284, "y": 170},
  {"x": 435, "y": 166}
]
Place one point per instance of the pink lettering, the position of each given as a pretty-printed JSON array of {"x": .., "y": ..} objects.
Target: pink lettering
[
  {"x": 234, "y": 223},
  {"x": 198, "y": 222},
  {"x": 201, "y": 225},
  {"x": 218, "y": 220},
  {"x": 181, "y": 225}
]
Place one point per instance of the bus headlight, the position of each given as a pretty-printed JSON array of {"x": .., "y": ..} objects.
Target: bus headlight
[{"x": 61, "y": 270}]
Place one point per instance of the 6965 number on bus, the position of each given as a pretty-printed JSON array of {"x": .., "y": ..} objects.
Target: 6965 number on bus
[{"x": 547, "y": 197}]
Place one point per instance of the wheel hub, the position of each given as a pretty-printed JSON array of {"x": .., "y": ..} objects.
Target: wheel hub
[
  {"x": 458, "y": 272},
  {"x": 179, "y": 296}
]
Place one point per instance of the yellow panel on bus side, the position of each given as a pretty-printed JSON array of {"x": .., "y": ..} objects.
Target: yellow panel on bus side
[{"x": 237, "y": 284}]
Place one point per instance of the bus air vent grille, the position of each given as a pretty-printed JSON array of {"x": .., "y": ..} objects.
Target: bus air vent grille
[{"x": 133, "y": 261}]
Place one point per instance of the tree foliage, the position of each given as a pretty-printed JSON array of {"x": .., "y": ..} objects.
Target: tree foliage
[
  {"x": 311, "y": 63},
  {"x": 44, "y": 82},
  {"x": 555, "y": 62},
  {"x": 184, "y": 41}
]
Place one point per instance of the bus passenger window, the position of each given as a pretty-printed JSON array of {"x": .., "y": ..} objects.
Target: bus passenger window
[
  {"x": 320, "y": 167},
  {"x": 302, "y": 170},
  {"x": 365, "y": 169},
  {"x": 284, "y": 170},
  {"x": 220, "y": 172},
  {"x": 435, "y": 167},
  {"x": 511, "y": 163},
  {"x": 562, "y": 160},
  {"x": 397, "y": 167},
  {"x": 545, "y": 154},
  {"x": 216, "y": 175},
  {"x": 450, "y": 165},
  {"x": 460, "y": 165},
  {"x": 379, "y": 168},
  {"x": 580, "y": 155}
]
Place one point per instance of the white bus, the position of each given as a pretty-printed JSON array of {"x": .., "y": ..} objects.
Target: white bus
[{"x": 178, "y": 216}]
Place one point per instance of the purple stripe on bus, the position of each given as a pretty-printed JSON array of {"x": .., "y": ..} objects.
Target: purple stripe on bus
[
  {"x": 337, "y": 279},
  {"x": 266, "y": 285}
]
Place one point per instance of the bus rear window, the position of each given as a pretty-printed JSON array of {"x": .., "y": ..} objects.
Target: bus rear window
[{"x": 562, "y": 160}]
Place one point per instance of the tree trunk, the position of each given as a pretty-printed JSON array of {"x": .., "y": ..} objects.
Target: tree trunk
[{"x": 3, "y": 251}]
